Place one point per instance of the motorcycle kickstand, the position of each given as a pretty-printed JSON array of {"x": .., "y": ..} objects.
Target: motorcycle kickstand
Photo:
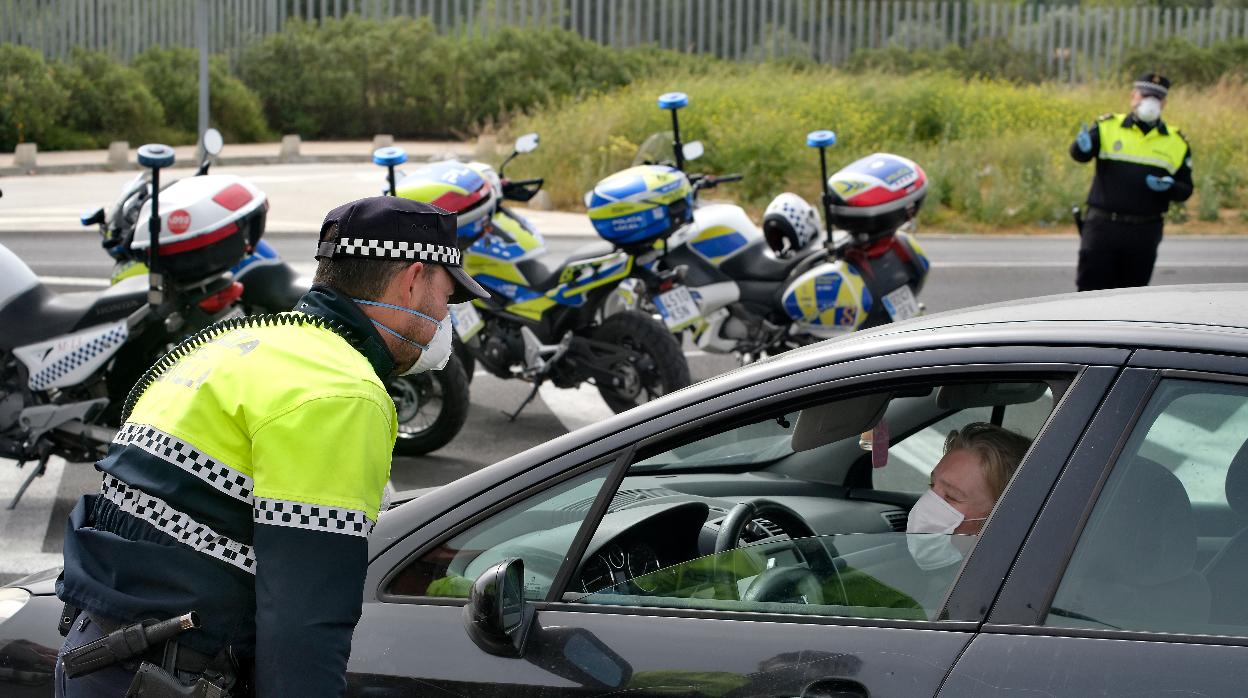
[
  {"x": 35, "y": 472},
  {"x": 537, "y": 384}
]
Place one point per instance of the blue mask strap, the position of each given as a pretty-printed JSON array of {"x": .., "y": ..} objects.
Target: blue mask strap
[
  {"x": 417, "y": 313},
  {"x": 416, "y": 344}
]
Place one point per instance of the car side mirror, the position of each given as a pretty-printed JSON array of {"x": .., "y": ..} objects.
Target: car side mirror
[
  {"x": 693, "y": 150},
  {"x": 527, "y": 143},
  {"x": 213, "y": 142},
  {"x": 497, "y": 617}
]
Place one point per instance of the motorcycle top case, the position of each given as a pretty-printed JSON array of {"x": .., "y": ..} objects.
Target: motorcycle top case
[
  {"x": 208, "y": 224},
  {"x": 874, "y": 196},
  {"x": 640, "y": 204}
]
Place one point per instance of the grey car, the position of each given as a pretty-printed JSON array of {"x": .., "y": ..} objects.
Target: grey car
[{"x": 747, "y": 536}]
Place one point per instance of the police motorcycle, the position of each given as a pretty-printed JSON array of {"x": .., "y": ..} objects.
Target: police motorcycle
[
  {"x": 69, "y": 360},
  {"x": 755, "y": 292},
  {"x": 544, "y": 319},
  {"x": 432, "y": 406}
]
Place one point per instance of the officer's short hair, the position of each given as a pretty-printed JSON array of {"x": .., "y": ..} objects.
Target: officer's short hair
[{"x": 360, "y": 277}]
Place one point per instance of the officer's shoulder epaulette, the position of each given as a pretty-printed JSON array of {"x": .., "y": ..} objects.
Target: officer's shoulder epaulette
[{"x": 1105, "y": 117}]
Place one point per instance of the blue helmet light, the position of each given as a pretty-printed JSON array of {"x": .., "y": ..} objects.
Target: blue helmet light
[
  {"x": 820, "y": 139},
  {"x": 673, "y": 100}
]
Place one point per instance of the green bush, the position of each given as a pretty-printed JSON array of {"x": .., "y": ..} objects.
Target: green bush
[
  {"x": 996, "y": 152},
  {"x": 995, "y": 58},
  {"x": 172, "y": 76},
  {"x": 354, "y": 77},
  {"x": 1188, "y": 64},
  {"x": 107, "y": 101},
  {"x": 31, "y": 102}
]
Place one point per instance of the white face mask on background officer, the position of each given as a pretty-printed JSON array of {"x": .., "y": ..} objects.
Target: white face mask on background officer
[{"x": 1147, "y": 108}]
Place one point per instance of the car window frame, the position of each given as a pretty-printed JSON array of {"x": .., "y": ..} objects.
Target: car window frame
[
  {"x": 508, "y": 479},
  {"x": 836, "y": 389},
  {"x": 1025, "y": 601}
]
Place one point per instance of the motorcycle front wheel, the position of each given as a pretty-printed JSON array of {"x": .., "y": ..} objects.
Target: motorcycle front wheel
[
  {"x": 661, "y": 370},
  {"x": 432, "y": 407}
]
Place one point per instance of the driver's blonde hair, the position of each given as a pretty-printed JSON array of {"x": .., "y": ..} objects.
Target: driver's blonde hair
[{"x": 999, "y": 449}]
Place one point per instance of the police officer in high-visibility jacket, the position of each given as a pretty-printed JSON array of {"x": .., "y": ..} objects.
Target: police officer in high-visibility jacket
[
  {"x": 1142, "y": 164},
  {"x": 249, "y": 472}
]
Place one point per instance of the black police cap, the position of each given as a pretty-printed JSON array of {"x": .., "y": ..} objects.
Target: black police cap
[
  {"x": 388, "y": 227},
  {"x": 1153, "y": 84}
]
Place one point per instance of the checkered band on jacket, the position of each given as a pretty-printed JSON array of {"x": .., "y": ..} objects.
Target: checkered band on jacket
[{"x": 397, "y": 249}]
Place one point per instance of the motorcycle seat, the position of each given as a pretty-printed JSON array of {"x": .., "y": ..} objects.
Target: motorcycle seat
[
  {"x": 41, "y": 314},
  {"x": 543, "y": 272},
  {"x": 761, "y": 265}
]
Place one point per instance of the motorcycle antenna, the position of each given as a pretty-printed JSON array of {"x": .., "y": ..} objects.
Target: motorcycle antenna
[
  {"x": 674, "y": 102},
  {"x": 156, "y": 156},
  {"x": 822, "y": 140},
  {"x": 389, "y": 158}
]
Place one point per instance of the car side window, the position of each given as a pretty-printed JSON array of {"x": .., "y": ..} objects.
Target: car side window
[
  {"x": 757, "y": 516},
  {"x": 1180, "y": 486},
  {"x": 538, "y": 530}
]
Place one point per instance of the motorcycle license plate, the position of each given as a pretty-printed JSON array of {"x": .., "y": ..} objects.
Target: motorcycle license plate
[
  {"x": 677, "y": 308},
  {"x": 901, "y": 304},
  {"x": 466, "y": 320}
]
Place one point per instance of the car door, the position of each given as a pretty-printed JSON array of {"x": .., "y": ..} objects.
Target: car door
[
  {"x": 1115, "y": 592},
  {"x": 578, "y": 646}
]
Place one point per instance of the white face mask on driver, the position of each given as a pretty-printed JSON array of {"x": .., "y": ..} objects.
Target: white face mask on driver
[
  {"x": 936, "y": 518},
  {"x": 435, "y": 354}
]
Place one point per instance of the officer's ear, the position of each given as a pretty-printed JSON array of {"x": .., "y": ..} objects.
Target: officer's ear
[{"x": 401, "y": 289}]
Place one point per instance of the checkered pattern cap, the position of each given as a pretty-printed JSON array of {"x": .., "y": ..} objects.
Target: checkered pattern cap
[
  {"x": 387, "y": 227},
  {"x": 1153, "y": 85}
]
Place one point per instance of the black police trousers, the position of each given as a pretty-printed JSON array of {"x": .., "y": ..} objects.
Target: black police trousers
[{"x": 1116, "y": 255}]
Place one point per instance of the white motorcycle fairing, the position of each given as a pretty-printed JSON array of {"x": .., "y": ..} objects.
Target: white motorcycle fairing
[{"x": 70, "y": 359}]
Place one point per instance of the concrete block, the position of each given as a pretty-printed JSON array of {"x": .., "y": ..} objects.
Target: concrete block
[
  {"x": 541, "y": 202},
  {"x": 118, "y": 154},
  {"x": 290, "y": 147},
  {"x": 382, "y": 140},
  {"x": 25, "y": 154}
]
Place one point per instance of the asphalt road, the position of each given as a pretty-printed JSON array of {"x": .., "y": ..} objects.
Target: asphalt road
[{"x": 38, "y": 222}]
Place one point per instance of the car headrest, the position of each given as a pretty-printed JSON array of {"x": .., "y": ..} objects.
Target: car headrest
[
  {"x": 964, "y": 396},
  {"x": 1237, "y": 482},
  {"x": 833, "y": 421},
  {"x": 1147, "y": 533}
]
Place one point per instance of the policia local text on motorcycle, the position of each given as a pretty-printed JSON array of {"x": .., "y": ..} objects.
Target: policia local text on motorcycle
[
  {"x": 226, "y": 550},
  {"x": 1142, "y": 165}
]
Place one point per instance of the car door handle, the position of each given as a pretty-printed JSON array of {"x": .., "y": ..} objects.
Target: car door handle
[{"x": 835, "y": 688}]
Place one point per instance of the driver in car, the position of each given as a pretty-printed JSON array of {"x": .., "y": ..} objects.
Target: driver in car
[{"x": 979, "y": 461}]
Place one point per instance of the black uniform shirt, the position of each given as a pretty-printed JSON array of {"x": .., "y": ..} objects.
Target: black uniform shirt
[{"x": 1120, "y": 186}]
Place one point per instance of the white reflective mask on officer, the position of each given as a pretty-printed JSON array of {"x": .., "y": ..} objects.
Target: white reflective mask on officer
[
  {"x": 435, "y": 354},
  {"x": 936, "y": 518},
  {"x": 1148, "y": 110}
]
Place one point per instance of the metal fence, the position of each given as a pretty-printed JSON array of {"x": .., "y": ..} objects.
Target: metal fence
[{"x": 1068, "y": 42}]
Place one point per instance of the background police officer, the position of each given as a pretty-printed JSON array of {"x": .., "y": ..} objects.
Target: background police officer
[
  {"x": 1142, "y": 164},
  {"x": 248, "y": 474}
]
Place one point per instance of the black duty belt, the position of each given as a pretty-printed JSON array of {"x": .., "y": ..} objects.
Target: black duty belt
[{"x": 1096, "y": 213}]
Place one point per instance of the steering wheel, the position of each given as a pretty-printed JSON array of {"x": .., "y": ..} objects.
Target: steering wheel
[{"x": 780, "y": 583}]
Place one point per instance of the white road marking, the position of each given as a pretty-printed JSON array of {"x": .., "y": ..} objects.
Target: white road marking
[{"x": 24, "y": 528}]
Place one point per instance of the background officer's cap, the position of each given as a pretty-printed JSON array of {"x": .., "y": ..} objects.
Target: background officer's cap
[
  {"x": 1153, "y": 85},
  {"x": 388, "y": 227}
]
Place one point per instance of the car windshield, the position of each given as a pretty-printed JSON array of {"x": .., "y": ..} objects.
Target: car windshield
[{"x": 655, "y": 150}]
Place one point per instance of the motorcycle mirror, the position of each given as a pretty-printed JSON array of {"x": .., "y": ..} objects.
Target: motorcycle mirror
[
  {"x": 693, "y": 150},
  {"x": 527, "y": 143},
  {"x": 213, "y": 142},
  {"x": 92, "y": 217}
]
